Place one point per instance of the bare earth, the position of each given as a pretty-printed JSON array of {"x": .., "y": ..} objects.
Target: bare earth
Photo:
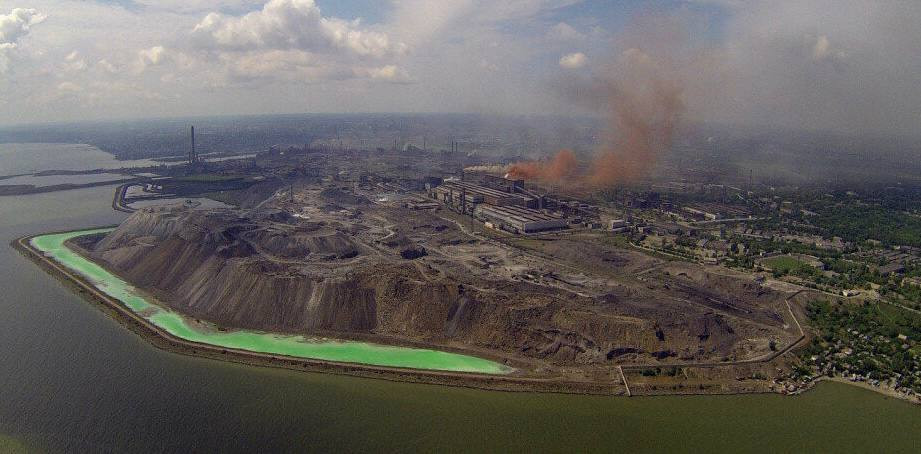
[{"x": 570, "y": 306}]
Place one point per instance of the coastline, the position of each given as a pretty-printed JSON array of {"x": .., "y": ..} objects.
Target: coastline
[
  {"x": 618, "y": 385},
  {"x": 884, "y": 390},
  {"x": 166, "y": 341}
]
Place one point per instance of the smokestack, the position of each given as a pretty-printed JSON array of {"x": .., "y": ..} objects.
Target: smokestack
[
  {"x": 192, "y": 156},
  {"x": 463, "y": 200}
]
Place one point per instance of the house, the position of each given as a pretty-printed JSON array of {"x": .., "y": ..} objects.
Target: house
[{"x": 892, "y": 268}]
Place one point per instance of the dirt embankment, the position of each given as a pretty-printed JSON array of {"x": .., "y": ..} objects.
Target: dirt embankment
[{"x": 338, "y": 267}]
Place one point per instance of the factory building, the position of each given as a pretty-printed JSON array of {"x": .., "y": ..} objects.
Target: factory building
[
  {"x": 474, "y": 193},
  {"x": 499, "y": 203},
  {"x": 519, "y": 219}
]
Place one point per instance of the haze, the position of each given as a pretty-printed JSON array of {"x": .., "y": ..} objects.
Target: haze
[{"x": 822, "y": 65}]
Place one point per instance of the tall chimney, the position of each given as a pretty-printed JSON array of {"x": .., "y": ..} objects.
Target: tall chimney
[
  {"x": 192, "y": 157},
  {"x": 463, "y": 200}
]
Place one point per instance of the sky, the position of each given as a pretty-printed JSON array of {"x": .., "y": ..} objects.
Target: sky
[{"x": 837, "y": 65}]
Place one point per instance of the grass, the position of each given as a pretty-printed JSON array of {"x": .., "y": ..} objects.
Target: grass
[
  {"x": 786, "y": 265},
  {"x": 529, "y": 243},
  {"x": 11, "y": 445},
  {"x": 618, "y": 241}
]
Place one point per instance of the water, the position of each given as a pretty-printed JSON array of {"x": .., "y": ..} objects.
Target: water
[
  {"x": 261, "y": 342},
  {"x": 51, "y": 180},
  {"x": 74, "y": 380},
  {"x": 19, "y": 158}
]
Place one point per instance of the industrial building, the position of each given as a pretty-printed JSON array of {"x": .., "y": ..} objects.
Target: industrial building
[
  {"x": 518, "y": 219},
  {"x": 453, "y": 191},
  {"x": 500, "y": 203}
]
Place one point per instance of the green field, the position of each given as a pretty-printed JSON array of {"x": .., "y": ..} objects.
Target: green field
[
  {"x": 787, "y": 265},
  {"x": 12, "y": 445}
]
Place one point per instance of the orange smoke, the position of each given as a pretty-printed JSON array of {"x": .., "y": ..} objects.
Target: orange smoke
[
  {"x": 646, "y": 110},
  {"x": 562, "y": 167},
  {"x": 642, "y": 92}
]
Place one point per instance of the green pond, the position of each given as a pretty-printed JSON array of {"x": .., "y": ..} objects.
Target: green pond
[{"x": 53, "y": 245}]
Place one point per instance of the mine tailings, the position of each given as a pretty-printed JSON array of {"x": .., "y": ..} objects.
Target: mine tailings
[{"x": 179, "y": 326}]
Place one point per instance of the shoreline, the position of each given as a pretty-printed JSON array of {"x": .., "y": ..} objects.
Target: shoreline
[
  {"x": 884, "y": 390},
  {"x": 618, "y": 385},
  {"x": 166, "y": 341},
  {"x": 16, "y": 190}
]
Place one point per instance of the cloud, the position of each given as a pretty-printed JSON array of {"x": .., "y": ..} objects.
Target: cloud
[
  {"x": 278, "y": 65},
  {"x": 17, "y": 24},
  {"x": 565, "y": 32},
  {"x": 69, "y": 87},
  {"x": 74, "y": 62},
  {"x": 822, "y": 49},
  {"x": 152, "y": 56},
  {"x": 255, "y": 69},
  {"x": 291, "y": 24},
  {"x": 418, "y": 22},
  {"x": 13, "y": 27},
  {"x": 106, "y": 66},
  {"x": 838, "y": 65},
  {"x": 388, "y": 73},
  {"x": 574, "y": 60}
]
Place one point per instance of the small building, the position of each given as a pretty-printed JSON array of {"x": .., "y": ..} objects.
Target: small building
[
  {"x": 618, "y": 225},
  {"x": 892, "y": 268}
]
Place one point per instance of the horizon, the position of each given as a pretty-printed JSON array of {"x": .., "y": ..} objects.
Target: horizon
[{"x": 63, "y": 61}]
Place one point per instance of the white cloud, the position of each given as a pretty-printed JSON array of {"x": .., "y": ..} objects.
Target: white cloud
[
  {"x": 106, "y": 66},
  {"x": 840, "y": 65},
  {"x": 834, "y": 64},
  {"x": 17, "y": 24},
  {"x": 389, "y": 73},
  {"x": 74, "y": 62},
  {"x": 565, "y": 32},
  {"x": 574, "y": 60},
  {"x": 13, "y": 27},
  {"x": 69, "y": 87},
  {"x": 152, "y": 56},
  {"x": 292, "y": 24},
  {"x": 822, "y": 49}
]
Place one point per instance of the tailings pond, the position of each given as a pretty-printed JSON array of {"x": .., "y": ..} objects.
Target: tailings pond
[{"x": 54, "y": 246}]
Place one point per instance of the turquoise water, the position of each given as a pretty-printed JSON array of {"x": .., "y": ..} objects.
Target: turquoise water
[{"x": 255, "y": 341}]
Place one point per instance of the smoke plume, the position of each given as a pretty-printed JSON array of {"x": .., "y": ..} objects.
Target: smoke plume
[
  {"x": 562, "y": 167},
  {"x": 642, "y": 95},
  {"x": 646, "y": 105}
]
